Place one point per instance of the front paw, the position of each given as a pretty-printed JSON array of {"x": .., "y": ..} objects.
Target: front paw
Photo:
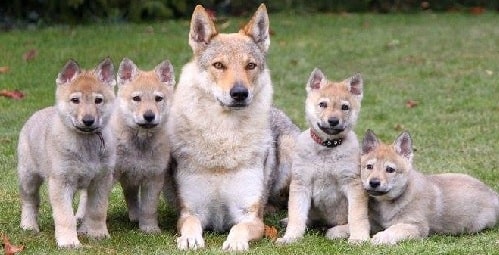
[
  {"x": 384, "y": 237},
  {"x": 97, "y": 234},
  {"x": 150, "y": 229},
  {"x": 190, "y": 242},
  {"x": 68, "y": 243},
  {"x": 287, "y": 240},
  {"x": 338, "y": 232},
  {"x": 235, "y": 244}
]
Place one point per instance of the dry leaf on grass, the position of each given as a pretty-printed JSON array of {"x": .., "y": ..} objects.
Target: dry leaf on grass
[
  {"x": 270, "y": 232},
  {"x": 10, "y": 249},
  {"x": 14, "y": 94},
  {"x": 4, "y": 69},
  {"x": 411, "y": 103},
  {"x": 30, "y": 54}
]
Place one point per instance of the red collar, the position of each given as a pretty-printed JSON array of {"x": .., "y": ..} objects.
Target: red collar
[{"x": 329, "y": 143}]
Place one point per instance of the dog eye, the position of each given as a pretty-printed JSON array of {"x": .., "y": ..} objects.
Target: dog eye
[
  {"x": 369, "y": 166},
  {"x": 250, "y": 66},
  {"x": 390, "y": 169},
  {"x": 322, "y": 104},
  {"x": 98, "y": 100},
  {"x": 75, "y": 100},
  {"x": 136, "y": 98},
  {"x": 219, "y": 66},
  {"x": 344, "y": 107},
  {"x": 158, "y": 98}
]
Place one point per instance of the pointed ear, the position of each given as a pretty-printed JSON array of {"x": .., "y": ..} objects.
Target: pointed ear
[
  {"x": 105, "y": 72},
  {"x": 68, "y": 72},
  {"x": 355, "y": 84},
  {"x": 202, "y": 29},
  {"x": 403, "y": 145},
  {"x": 126, "y": 72},
  {"x": 316, "y": 80},
  {"x": 165, "y": 73},
  {"x": 258, "y": 28},
  {"x": 370, "y": 142}
]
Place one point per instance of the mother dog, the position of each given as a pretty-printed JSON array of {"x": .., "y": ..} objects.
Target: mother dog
[{"x": 220, "y": 132}]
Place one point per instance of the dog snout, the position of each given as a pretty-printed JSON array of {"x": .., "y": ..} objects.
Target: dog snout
[
  {"x": 88, "y": 120},
  {"x": 239, "y": 92},
  {"x": 149, "y": 116},
  {"x": 333, "y": 121},
  {"x": 374, "y": 183}
]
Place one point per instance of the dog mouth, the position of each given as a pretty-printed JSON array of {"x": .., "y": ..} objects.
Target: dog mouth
[
  {"x": 331, "y": 130},
  {"x": 376, "y": 193},
  {"x": 88, "y": 130},
  {"x": 148, "y": 125},
  {"x": 234, "y": 105}
]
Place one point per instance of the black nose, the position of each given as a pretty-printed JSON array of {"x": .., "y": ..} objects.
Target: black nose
[
  {"x": 333, "y": 121},
  {"x": 374, "y": 183},
  {"x": 88, "y": 120},
  {"x": 239, "y": 92},
  {"x": 149, "y": 116}
]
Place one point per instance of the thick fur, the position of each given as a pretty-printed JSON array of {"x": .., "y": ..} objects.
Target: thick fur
[
  {"x": 325, "y": 182},
  {"x": 71, "y": 147},
  {"x": 220, "y": 133},
  {"x": 406, "y": 204},
  {"x": 143, "y": 149}
]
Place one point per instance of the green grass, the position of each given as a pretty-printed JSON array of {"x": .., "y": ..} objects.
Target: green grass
[{"x": 448, "y": 63}]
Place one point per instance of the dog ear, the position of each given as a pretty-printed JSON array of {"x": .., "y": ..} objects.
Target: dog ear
[
  {"x": 165, "y": 73},
  {"x": 370, "y": 142},
  {"x": 202, "y": 29},
  {"x": 68, "y": 72},
  {"x": 316, "y": 80},
  {"x": 258, "y": 28},
  {"x": 126, "y": 72},
  {"x": 355, "y": 84},
  {"x": 403, "y": 145},
  {"x": 105, "y": 72}
]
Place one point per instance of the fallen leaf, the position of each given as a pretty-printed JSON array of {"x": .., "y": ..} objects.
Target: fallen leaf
[
  {"x": 14, "y": 94},
  {"x": 489, "y": 72},
  {"x": 411, "y": 103},
  {"x": 399, "y": 127},
  {"x": 270, "y": 232},
  {"x": 10, "y": 249},
  {"x": 477, "y": 10},
  {"x": 30, "y": 54},
  {"x": 4, "y": 69}
]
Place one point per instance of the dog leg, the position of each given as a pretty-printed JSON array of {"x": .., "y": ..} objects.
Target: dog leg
[
  {"x": 94, "y": 222},
  {"x": 61, "y": 197},
  {"x": 131, "y": 194},
  {"x": 82, "y": 205},
  {"x": 338, "y": 232},
  {"x": 30, "y": 196},
  {"x": 149, "y": 199},
  {"x": 358, "y": 220},
  {"x": 397, "y": 233},
  {"x": 191, "y": 232},
  {"x": 243, "y": 232},
  {"x": 298, "y": 209}
]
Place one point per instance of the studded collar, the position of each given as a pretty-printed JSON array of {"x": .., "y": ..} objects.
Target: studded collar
[{"x": 329, "y": 143}]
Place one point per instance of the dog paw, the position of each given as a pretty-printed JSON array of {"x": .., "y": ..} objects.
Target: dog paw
[
  {"x": 337, "y": 232},
  {"x": 235, "y": 245},
  {"x": 383, "y": 237},
  {"x": 190, "y": 243},
  {"x": 150, "y": 229},
  {"x": 97, "y": 234},
  {"x": 68, "y": 243},
  {"x": 30, "y": 227},
  {"x": 286, "y": 240}
]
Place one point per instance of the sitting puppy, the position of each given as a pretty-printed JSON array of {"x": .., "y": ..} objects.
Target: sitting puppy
[
  {"x": 325, "y": 183},
  {"x": 406, "y": 204}
]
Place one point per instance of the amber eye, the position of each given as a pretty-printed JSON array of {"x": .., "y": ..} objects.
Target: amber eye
[
  {"x": 369, "y": 166},
  {"x": 136, "y": 99},
  {"x": 344, "y": 107},
  {"x": 390, "y": 169},
  {"x": 98, "y": 100},
  {"x": 158, "y": 98},
  {"x": 322, "y": 104},
  {"x": 75, "y": 100},
  {"x": 219, "y": 66},
  {"x": 250, "y": 66}
]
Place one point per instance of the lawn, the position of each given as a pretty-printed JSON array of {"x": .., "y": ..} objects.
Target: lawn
[{"x": 445, "y": 65}]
